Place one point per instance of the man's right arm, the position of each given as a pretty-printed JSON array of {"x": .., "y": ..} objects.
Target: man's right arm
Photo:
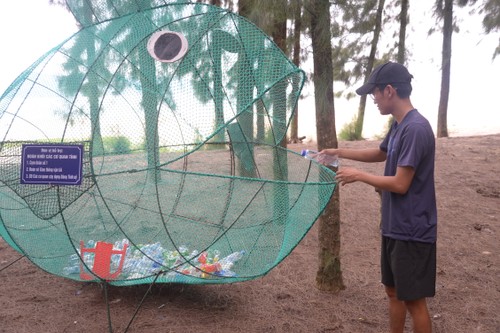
[{"x": 361, "y": 155}]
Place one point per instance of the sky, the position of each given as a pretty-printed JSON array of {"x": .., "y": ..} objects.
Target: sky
[{"x": 29, "y": 28}]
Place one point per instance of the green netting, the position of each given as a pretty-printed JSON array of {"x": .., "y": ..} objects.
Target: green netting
[{"x": 183, "y": 177}]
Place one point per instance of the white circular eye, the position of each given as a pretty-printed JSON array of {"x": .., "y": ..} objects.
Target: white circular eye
[{"x": 167, "y": 46}]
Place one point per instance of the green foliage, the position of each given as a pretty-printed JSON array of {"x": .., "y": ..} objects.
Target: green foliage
[
  {"x": 117, "y": 145},
  {"x": 491, "y": 20},
  {"x": 387, "y": 126},
  {"x": 491, "y": 11},
  {"x": 353, "y": 30},
  {"x": 348, "y": 132}
]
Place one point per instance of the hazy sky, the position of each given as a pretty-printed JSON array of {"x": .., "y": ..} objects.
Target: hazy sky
[{"x": 29, "y": 28}]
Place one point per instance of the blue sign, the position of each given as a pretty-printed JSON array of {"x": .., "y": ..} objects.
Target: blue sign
[{"x": 51, "y": 164}]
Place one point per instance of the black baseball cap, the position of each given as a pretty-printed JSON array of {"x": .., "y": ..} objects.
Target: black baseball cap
[{"x": 389, "y": 73}]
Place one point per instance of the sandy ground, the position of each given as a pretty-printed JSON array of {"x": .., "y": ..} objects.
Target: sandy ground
[{"x": 286, "y": 300}]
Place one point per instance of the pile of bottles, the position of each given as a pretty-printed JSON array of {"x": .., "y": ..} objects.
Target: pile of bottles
[{"x": 143, "y": 260}]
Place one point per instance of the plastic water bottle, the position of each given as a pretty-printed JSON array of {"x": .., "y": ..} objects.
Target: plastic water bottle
[
  {"x": 330, "y": 160},
  {"x": 228, "y": 262}
]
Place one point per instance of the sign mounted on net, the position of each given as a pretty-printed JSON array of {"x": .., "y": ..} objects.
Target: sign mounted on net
[{"x": 55, "y": 164}]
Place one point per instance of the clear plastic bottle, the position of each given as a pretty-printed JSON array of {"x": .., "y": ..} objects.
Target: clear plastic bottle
[
  {"x": 228, "y": 262},
  {"x": 330, "y": 160}
]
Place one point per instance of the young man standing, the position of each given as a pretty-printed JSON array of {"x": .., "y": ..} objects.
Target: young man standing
[{"x": 409, "y": 214}]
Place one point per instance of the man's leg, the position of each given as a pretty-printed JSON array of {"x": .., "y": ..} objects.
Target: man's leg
[
  {"x": 420, "y": 315},
  {"x": 397, "y": 311}
]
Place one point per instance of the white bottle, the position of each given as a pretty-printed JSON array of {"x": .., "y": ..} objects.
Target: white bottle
[{"x": 330, "y": 160}]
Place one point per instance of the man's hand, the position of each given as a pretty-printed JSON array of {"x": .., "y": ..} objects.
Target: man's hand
[
  {"x": 327, "y": 156},
  {"x": 347, "y": 175}
]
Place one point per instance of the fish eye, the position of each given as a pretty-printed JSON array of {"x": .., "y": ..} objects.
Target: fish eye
[{"x": 167, "y": 46}]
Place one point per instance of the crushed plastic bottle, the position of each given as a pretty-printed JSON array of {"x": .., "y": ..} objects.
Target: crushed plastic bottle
[
  {"x": 228, "y": 262},
  {"x": 330, "y": 160}
]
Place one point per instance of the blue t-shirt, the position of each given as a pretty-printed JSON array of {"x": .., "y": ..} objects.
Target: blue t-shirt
[{"x": 411, "y": 216}]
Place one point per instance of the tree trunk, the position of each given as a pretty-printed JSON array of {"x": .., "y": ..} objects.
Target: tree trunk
[
  {"x": 149, "y": 103},
  {"x": 329, "y": 274},
  {"x": 403, "y": 22},
  {"x": 358, "y": 130},
  {"x": 294, "y": 135},
  {"x": 93, "y": 95},
  {"x": 278, "y": 94},
  {"x": 442, "y": 126}
]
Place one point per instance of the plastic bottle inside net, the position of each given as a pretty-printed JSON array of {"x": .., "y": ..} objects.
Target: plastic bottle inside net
[{"x": 331, "y": 160}]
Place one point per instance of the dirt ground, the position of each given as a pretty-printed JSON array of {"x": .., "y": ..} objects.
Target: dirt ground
[{"x": 286, "y": 300}]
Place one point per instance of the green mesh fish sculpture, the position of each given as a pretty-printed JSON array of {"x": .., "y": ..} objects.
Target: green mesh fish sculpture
[{"x": 147, "y": 147}]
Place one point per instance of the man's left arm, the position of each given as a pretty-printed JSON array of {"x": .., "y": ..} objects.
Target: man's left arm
[{"x": 399, "y": 183}]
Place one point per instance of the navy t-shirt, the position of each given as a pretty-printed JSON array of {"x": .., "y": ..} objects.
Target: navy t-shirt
[{"x": 411, "y": 216}]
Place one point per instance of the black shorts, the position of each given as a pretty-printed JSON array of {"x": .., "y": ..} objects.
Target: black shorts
[{"x": 409, "y": 267}]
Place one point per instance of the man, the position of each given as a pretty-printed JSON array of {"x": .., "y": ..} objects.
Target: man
[{"x": 409, "y": 214}]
